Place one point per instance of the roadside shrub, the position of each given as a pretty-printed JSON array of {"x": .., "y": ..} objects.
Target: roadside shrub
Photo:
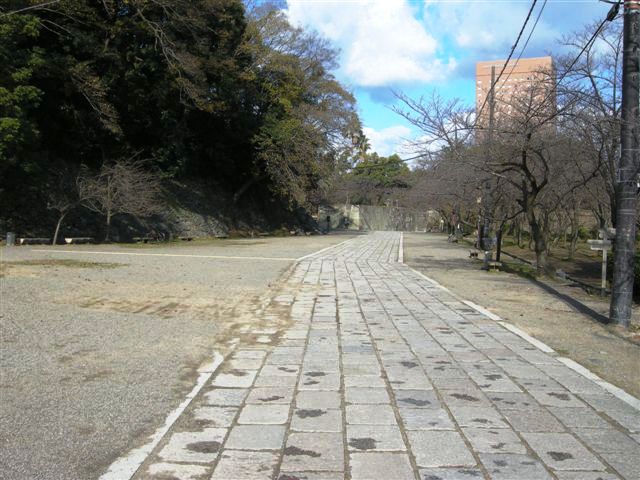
[{"x": 584, "y": 233}]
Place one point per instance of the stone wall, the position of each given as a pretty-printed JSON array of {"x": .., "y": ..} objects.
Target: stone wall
[{"x": 372, "y": 217}]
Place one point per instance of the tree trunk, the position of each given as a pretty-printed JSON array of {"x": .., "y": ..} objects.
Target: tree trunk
[
  {"x": 613, "y": 214},
  {"x": 55, "y": 235},
  {"x": 539, "y": 242},
  {"x": 573, "y": 244},
  {"x": 575, "y": 230},
  {"x": 499, "y": 243},
  {"x": 553, "y": 242},
  {"x": 107, "y": 235},
  {"x": 541, "y": 260}
]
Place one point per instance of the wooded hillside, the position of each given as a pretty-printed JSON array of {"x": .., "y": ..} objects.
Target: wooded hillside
[{"x": 200, "y": 89}]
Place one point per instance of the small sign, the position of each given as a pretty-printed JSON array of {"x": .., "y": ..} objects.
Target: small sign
[
  {"x": 607, "y": 234},
  {"x": 599, "y": 244}
]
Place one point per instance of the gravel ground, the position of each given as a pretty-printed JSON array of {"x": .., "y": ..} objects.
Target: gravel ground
[
  {"x": 97, "y": 349},
  {"x": 545, "y": 310}
]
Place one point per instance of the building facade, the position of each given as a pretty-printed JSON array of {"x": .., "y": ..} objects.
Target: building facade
[{"x": 525, "y": 83}]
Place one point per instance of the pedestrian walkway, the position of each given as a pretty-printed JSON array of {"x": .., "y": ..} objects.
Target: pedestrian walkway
[{"x": 382, "y": 374}]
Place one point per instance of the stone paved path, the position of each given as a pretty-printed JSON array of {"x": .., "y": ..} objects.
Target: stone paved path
[{"x": 382, "y": 374}]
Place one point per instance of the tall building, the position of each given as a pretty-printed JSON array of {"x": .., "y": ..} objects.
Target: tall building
[{"x": 528, "y": 80}]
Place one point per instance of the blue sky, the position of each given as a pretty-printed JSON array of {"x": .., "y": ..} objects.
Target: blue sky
[{"x": 416, "y": 46}]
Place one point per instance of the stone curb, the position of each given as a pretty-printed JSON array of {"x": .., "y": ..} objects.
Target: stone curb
[{"x": 573, "y": 365}]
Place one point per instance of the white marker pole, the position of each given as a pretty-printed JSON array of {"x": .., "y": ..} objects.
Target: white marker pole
[{"x": 603, "y": 290}]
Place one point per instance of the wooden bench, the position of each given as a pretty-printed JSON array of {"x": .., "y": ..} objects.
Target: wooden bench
[
  {"x": 143, "y": 239},
  {"x": 186, "y": 239},
  {"x": 493, "y": 265},
  {"x": 34, "y": 241},
  {"x": 77, "y": 240}
]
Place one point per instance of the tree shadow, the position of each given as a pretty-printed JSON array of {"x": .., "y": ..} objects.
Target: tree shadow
[
  {"x": 427, "y": 261},
  {"x": 572, "y": 302}
]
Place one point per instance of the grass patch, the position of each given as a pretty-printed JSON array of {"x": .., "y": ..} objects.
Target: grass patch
[
  {"x": 171, "y": 243},
  {"x": 52, "y": 262},
  {"x": 522, "y": 269},
  {"x": 466, "y": 241},
  {"x": 196, "y": 242}
]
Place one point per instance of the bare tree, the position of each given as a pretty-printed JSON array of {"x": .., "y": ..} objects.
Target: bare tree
[
  {"x": 594, "y": 84},
  {"x": 65, "y": 195},
  {"x": 121, "y": 187},
  {"x": 530, "y": 157}
]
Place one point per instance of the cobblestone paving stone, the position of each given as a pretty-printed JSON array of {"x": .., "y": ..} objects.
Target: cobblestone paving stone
[{"x": 382, "y": 374}]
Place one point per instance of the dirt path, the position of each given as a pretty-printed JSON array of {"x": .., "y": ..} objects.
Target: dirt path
[{"x": 547, "y": 311}]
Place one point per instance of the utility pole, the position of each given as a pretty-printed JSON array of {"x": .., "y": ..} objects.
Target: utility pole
[
  {"x": 487, "y": 196},
  {"x": 627, "y": 175}
]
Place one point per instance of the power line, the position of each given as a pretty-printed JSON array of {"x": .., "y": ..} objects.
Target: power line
[
  {"x": 613, "y": 12},
  {"x": 610, "y": 17},
  {"x": 614, "y": 9},
  {"x": 535, "y": 24},
  {"x": 513, "y": 49},
  {"x": 526, "y": 43}
]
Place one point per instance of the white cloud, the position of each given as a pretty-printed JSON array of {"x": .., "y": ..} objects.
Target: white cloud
[
  {"x": 382, "y": 42},
  {"x": 389, "y": 140},
  {"x": 486, "y": 26}
]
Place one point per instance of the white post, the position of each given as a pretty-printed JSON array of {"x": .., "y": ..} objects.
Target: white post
[{"x": 604, "y": 272}]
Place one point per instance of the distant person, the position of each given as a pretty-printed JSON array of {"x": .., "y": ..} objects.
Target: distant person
[{"x": 328, "y": 223}]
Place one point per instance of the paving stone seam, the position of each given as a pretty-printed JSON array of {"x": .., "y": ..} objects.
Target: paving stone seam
[
  {"x": 530, "y": 450},
  {"x": 314, "y": 254},
  {"x": 615, "y": 391},
  {"x": 543, "y": 347},
  {"x": 293, "y": 405},
  {"x": 480, "y": 309},
  {"x": 236, "y": 417},
  {"x": 585, "y": 372},
  {"x": 390, "y": 393},
  {"x": 152, "y": 454},
  {"x": 343, "y": 391},
  {"x": 261, "y": 312},
  {"x": 440, "y": 397},
  {"x": 126, "y": 467},
  {"x": 301, "y": 287},
  {"x": 517, "y": 382},
  {"x": 401, "y": 302},
  {"x": 516, "y": 352},
  {"x": 138, "y": 457},
  {"x": 480, "y": 465}
]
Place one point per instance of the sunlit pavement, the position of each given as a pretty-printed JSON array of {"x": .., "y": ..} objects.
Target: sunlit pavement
[{"x": 382, "y": 374}]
